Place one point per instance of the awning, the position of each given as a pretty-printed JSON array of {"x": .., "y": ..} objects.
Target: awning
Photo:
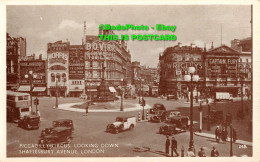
[
  {"x": 112, "y": 89},
  {"x": 76, "y": 90},
  {"x": 24, "y": 88},
  {"x": 39, "y": 89},
  {"x": 92, "y": 90}
]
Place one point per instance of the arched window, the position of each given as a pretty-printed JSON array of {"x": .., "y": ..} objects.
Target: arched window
[
  {"x": 58, "y": 77},
  {"x": 64, "y": 77},
  {"x": 52, "y": 77}
]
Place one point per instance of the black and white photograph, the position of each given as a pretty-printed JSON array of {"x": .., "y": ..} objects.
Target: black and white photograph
[{"x": 130, "y": 80}]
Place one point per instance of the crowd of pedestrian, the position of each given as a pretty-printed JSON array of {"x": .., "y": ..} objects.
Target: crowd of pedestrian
[{"x": 190, "y": 152}]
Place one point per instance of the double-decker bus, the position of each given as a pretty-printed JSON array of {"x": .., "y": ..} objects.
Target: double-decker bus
[{"x": 18, "y": 105}]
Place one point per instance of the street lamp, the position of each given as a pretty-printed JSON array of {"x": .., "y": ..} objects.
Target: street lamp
[
  {"x": 31, "y": 76},
  {"x": 140, "y": 90},
  {"x": 122, "y": 96},
  {"x": 242, "y": 104},
  {"x": 143, "y": 101},
  {"x": 191, "y": 78},
  {"x": 56, "y": 93}
]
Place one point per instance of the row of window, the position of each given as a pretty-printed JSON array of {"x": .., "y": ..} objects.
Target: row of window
[{"x": 59, "y": 77}]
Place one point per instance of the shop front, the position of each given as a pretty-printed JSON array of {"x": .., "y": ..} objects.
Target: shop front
[{"x": 60, "y": 90}]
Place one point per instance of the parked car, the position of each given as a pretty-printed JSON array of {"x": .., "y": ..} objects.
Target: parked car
[
  {"x": 156, "y": 107},
  {"x": 172, "y": 96},
  {"x": 159, "y": 116},
  {"x": 63, "y": 123},
  {"x": 175, "y": 117},
  {"x": 121, "y": 124},
  {"x": 167, "y": 129},
  {"x": 29, "y": 122},
  {"x": 55, "y": 136}
]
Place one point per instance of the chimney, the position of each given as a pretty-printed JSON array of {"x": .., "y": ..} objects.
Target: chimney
[
  {"x": 205, "y": 49},
  {"x": 179, "y": 44},
  {"x": 40, "y": 57},
  {"x": 212, "y": 45},
  {"x": 192, "y": 45}
]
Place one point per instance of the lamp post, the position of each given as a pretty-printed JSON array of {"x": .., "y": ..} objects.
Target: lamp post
[
  {"x": 31, "y": 76},
  {"x": 191, "y": 78},
  {"x": 122, "y": 96},
  {"x": 242, "y": 102},
  {"x": 143, "y": 101},
  {"x": 140, "y": 90},
  {"x": 56, "y": 105}
]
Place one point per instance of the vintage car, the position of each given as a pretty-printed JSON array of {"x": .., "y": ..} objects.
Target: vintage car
[
  {"x": 63, "y": 123},
  {"x": 175, "y": 117},
  {"x": 172, "y": 96},
  {"x": 29, "y": 122},
  {"x": 159, "y": 116},
  {"x": 167, "y": 129},
  {"x": 156, "y": 107},
  {"x": 121, "y": 124},
  {"x": 55, "y": 135}
]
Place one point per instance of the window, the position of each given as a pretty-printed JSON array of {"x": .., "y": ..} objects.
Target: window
[
  {"x": 24, "y": 109},
  {"x": 58, "y": 77},
  {"x": 247, "y": 60},
  {"x": 52, "y": 77},
  {"x": 240, "y": 60},
  {"x": 20, "y": 98}
]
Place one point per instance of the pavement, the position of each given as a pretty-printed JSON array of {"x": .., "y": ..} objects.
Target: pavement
[
  {"x": 68, "y": 107},
  {"x": 212, "y": 136}
]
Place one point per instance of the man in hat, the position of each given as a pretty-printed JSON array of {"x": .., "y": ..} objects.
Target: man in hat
[
  {"x": 174, "y": 147},
  {"x": 201, "y": 153},
  {"x": 217, "y": 133},
  {"x": 214, "y": 152},
  {"x": 167, "y": 146}
]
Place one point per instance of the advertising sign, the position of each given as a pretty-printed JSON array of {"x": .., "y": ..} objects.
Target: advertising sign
[
  {"x": 38, "y": 68},
  {"x": 76, "y": 63},
  {"x": 222, "y": 67}
]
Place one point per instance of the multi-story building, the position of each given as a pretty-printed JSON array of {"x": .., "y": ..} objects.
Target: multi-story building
[
  {"x": 220, "y": 69},
  {"x": 76, "y": 70},
  {"x": 105, "y": 60},
  {"x": 57, "y": 68},
  {"x": 173, "y": 65},
  {"x": 38, "y": 70},
  {"x": 15, "y": 48}
]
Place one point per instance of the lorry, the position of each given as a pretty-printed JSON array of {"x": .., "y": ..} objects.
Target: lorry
[
  {"x": 122, "y": 124},
  {"x": 223, "y": 96}
]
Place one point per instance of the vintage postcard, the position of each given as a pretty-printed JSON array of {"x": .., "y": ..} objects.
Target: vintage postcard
[{"x": 164, "y": 80}]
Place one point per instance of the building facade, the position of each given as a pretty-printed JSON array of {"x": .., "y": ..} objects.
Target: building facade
[
  {"x": 107, "y": 60},
  {"x": 38, "y": 83},
  {"x": 15, "y": 48},
  {"x": 76, "y": 70},
  {"x": 173, "y": 66},
  {"x": 57, "y": 68}
]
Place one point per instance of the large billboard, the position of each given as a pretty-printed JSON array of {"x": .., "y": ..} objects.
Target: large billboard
[
  {"x": 76, "y": 62},
  {"x": 222, "y": 67},
  {"x": 38, "y": 69}
]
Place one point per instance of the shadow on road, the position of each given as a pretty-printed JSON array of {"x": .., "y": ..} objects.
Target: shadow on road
[{"x": 148, "y": 149}]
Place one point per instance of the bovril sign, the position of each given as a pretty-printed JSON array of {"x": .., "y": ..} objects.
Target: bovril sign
[{"x": 99, "y": 46}]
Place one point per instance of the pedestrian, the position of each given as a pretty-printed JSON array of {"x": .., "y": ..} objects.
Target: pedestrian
[
  {"x": 201, "y": 153},
  {"x": 214, "y": 152},
  {"x": 224, "y": 134},
  {"x": 174, "y": 147},
  {"x": 190, "y": 153},
  {"x": 87, "y": 108},
  {"x": 217, "y": 133},
  {"x": 167, "y": 146}
]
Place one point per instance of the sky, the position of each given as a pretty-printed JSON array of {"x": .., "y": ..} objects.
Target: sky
[{"x": 198, "y": 24}]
